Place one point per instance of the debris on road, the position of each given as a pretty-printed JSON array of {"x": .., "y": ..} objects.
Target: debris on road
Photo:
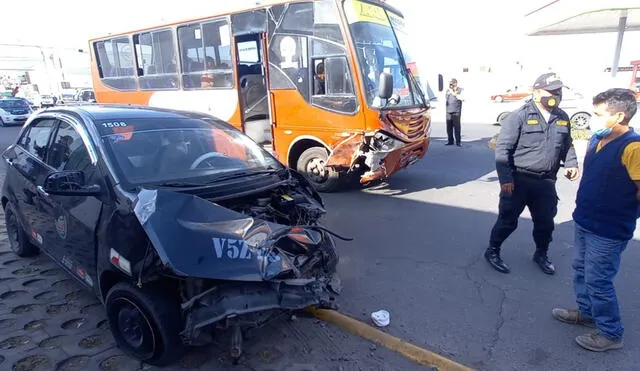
[{"x": 381, "y": 318}]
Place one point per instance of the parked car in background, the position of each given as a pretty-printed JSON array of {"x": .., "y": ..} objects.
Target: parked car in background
[
  {"x": 47, "y": 100},
  {"x": 86, "y": 95},
  {"x": 14, "y": 111},
  {"x": 510, "y": 95},
  {"x": 573, "y": 103}
]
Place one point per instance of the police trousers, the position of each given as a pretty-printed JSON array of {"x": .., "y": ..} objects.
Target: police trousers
[
  {"x": 540, "y": 196},
  {"x": 453, "y": 126}
]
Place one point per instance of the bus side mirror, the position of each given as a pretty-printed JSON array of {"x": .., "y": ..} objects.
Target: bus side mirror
[
  {"x": 440, "y": 82},
  {"x": 385, "y": 89}
]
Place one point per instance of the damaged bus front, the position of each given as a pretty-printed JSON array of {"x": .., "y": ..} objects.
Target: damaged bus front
[{"x": 398, "y": 120}]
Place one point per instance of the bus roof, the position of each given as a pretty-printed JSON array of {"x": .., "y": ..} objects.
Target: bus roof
[
  {"x": 210, "y": 8},
  {"x": 217, "y": 9}
]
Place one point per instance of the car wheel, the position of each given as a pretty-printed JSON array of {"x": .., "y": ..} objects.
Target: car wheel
[
  {"x": 311, "y": 165},
  {"x": 498, "y": 99},
  {"x": 145, "y": 323},
  {"x": 18, "y": 238},
  {"x": 580, "y": 120},
  {"x": 501, "y": 117}
]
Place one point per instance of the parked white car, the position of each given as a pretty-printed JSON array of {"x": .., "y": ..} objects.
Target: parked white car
[
  {"x": 573, "y": 103},
  {"x": 14, "y": 111}
]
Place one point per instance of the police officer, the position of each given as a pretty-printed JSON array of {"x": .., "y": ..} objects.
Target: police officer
[
  {"x": 533, "y": 141},
  {"x": 454, "y": 111}
]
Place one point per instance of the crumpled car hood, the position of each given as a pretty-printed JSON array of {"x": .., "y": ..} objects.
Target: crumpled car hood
[{"x": 197, "y": 238}]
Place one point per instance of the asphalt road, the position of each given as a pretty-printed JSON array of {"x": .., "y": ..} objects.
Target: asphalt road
[{"x": 417, "y": 253}]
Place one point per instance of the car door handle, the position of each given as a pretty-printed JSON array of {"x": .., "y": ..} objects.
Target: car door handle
[{"x": 42, "y": 191}]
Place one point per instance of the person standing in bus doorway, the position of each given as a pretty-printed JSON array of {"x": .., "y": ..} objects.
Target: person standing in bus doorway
[
  {"x": 533, "y": 141},
  {"x": 454, "y": 111},
  {"x": 605, "y": 219}
]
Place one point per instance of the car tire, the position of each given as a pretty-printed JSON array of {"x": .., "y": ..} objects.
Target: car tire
[
  {"x": 145, "y": 323},
  {"x": 580, "y": 120},
  {"x": 18, "y": 238},
  {"x": 501, "y": 117},
  {"x": 498, "y": 99},
  {"x": 311, "y": 166}
]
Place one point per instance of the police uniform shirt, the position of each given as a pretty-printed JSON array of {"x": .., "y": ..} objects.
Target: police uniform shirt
[{"x": 529, "y": 143}]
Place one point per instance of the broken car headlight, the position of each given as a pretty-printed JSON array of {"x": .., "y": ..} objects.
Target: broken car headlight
[{"x": 305, "y": 236}]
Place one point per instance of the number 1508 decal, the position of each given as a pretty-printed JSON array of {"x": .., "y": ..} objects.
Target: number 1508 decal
[{"x": 114, "y": 124}]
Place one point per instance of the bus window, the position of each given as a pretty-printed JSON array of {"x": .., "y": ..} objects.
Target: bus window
[
  {"x": 338, "y": 86},
  {"x": 115, "y": 63},
  {"x": 156, "y": 57},
  {"x": 289, "y": 58},
  {"x": 205, "y": 53},
  {"x": 333, "y": 86}
]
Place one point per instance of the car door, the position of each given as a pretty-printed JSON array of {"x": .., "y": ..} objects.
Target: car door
[
  {"x": 73, "y": 219},
  {"x": 27, "y": 170}
]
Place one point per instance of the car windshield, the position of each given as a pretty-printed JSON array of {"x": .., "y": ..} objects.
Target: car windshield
[
  {"x": 148, "y": 151},
  {"x": 13, "y": 104},
  {"x": 374, "y": 31}
]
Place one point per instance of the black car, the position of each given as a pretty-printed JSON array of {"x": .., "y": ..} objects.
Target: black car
[{"x": 177, "y": 221}]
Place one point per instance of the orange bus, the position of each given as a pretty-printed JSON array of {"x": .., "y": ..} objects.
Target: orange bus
[{"x": 326, "y": 83}]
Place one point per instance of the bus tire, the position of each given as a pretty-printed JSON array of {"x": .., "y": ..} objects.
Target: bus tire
[{"x": 311, "y": 165}]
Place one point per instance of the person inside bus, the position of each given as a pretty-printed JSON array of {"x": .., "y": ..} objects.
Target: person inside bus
[
  {"x": 207, "y": 79},
  {"x": 318, "y": 80}
]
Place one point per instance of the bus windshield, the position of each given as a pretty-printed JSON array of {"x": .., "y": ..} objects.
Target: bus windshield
[{"x": 374, "y": 30}]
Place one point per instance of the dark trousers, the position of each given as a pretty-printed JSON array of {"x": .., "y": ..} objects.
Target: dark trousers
[
  {"x": 540, "y": 196},
  {"x": 453, "y": 123}
]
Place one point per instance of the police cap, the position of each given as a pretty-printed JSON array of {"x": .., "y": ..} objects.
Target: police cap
[{"x": 548, "y": 81}]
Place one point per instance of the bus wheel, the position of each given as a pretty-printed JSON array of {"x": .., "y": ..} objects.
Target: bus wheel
[{"x": 311, "y": 165}]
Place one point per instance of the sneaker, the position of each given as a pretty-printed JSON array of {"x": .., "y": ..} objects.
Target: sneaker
[
  {"x": 595, "y": 342},
  {"x": 572, "y": 316}
]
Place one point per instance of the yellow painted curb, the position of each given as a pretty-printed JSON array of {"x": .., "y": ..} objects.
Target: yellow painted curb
[{"x": 413, "y": 352}]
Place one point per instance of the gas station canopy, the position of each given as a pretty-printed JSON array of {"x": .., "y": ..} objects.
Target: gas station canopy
[{"x": 570, "y": 17}]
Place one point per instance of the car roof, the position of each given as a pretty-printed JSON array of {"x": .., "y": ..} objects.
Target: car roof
[{"x": 128, "y": 111}]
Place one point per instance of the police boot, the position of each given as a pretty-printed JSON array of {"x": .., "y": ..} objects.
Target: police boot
[
  {"x": 492, "y": 254},
  {"x": 541, "y": 258}
]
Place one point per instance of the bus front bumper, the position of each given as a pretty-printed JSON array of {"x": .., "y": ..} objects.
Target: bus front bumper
[
  {"x": 381, "y": 154},
  {"x": 383, "y": 164}
]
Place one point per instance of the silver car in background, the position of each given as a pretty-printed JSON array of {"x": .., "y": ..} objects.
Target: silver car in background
[{"x": 573, "y": 103}]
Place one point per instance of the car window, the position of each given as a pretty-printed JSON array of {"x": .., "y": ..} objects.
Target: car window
[
  {"x": 35, "y": 141},
  {"x": 159, "y": 150},
  {"x": 68, "y": 151}
]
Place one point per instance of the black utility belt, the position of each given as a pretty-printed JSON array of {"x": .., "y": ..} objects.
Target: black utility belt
[{"x": 534, "y": 174}]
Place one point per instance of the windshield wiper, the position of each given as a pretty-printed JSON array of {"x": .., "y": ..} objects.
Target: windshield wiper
[
  {"x": 179, "y": 184},
  {"x": 242, "y": 174}
]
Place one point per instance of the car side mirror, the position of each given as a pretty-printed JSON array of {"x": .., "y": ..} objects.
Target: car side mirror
[
  {"x": 385, "y": 89},
  {"x": 69, "y": 183}
]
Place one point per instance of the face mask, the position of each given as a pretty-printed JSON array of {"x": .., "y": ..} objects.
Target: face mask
[
  {"x": 550, "y": 102},
  {"x": 599, "y": 128}
]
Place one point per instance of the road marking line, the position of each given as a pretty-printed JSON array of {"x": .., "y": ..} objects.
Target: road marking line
[{"x": 413, "y": 352}]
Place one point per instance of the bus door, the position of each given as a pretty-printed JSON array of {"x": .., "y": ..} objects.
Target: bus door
[{"x": 249, "y": 29}]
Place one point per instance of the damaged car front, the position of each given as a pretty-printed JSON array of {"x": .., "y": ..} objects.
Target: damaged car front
[{"x": 226, "y": 236}]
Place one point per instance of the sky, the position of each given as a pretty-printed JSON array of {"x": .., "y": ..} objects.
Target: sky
[{"x": 447, "y": 34}]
